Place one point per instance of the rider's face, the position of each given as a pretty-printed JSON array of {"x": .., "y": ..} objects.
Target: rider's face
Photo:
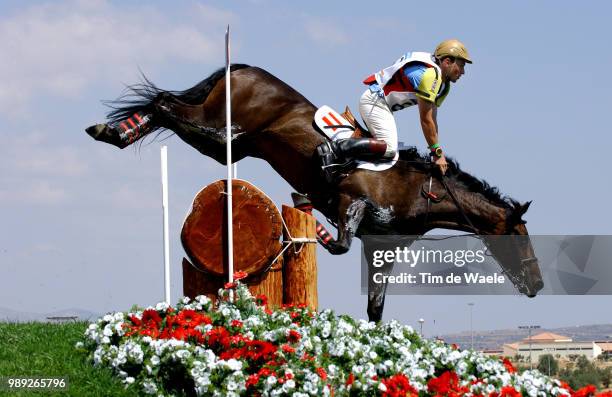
[{"x": 453, "y": 69}]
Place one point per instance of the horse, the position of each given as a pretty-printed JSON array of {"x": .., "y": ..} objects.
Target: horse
[{"x": 274, "y": 122}]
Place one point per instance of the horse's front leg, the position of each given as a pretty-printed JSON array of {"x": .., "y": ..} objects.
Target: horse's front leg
[{"x": 350, "y": 215}]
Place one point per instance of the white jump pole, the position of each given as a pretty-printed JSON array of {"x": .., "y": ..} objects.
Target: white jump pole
[
  {"x": 228, "y": 130},
  {"x": 164, "y": 178}
]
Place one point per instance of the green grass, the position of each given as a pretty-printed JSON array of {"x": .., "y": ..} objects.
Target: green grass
[{"x": 42, "y": 349}]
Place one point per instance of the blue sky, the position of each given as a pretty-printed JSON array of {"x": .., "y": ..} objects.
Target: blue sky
[{"x": 82, "y": 220}]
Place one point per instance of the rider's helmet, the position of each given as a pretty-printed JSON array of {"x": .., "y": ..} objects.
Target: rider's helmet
[{"x": 452, "y": 48}]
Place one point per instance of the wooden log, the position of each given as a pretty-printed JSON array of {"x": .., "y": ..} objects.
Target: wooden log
[
  {"x": 197, "y": 283},
  {"x": 256, "y": 223},
  {"x": 300, "y": 265},
  {"x": 269, "y": 283}
]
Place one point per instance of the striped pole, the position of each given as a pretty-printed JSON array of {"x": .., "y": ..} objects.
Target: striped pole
[{"x": 228, "y": 130}]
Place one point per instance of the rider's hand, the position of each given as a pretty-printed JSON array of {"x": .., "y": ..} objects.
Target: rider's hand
[{"x": 441, "y": 163}]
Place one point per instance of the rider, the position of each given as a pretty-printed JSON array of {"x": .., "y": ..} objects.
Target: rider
[{"x": 417, "y": 78}]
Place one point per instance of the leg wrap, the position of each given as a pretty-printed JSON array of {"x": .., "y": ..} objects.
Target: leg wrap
[{"x": 133, "y": 127}]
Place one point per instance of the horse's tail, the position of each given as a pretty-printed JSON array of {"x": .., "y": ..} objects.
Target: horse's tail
[{"x": 138, "y": 97}]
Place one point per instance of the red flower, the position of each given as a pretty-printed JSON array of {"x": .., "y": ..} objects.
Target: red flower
[
  {"x": 506, "y": 391},
  {"x": 135, "y": 320},
  {"x": 307, "y": 357},
  {"x": 350, "y": 379},
  {"x": 398, "y": 385},
  {"x": 322, "y": 373},
  {"x": 288, "y": 349},
  {"x": 293, "y": 336},
  {"x": 446, "y": 384},
  {"x": 509, "y": 367},
  {"x": 218, "y": 338},
  {"x": 189, "y": 317},
  {"x": 150, "y": 317},
  {"x": 252, "y": 380},
  {"x": 587, "y": 391},
  {"x": 261, "y": 300},
  {"x": 236, "y": 323},
  {"x": 240, "y": 275},
  {"x": 229, "y": 285},
  {"x": 565, "y": 386}
]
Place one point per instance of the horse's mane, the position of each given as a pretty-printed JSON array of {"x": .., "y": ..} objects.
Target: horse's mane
[{"x": 413, "y": 158}]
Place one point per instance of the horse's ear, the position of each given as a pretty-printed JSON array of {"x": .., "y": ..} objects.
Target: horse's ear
[
  {"x": 524, "y": 207},
  {"x": 516, "y": 217}
]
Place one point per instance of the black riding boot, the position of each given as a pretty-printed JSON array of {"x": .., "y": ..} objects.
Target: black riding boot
[
  {"x": 360, "y": 148},
  {"x": 336, "y": 156}
]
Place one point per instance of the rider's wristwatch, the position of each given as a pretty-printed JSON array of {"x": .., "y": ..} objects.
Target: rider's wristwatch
[{"x": 437, "y": 152}]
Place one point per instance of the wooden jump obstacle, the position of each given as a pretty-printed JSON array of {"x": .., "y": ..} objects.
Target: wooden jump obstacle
[{"x": 286, "y": 272}]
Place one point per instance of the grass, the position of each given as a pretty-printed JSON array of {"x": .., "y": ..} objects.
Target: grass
[{"x": 43, "y": 349}]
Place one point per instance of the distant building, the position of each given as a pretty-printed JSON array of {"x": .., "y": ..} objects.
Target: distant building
[
  {"x": 556, "y": 345},
  {"x": 493, "y": 352}
]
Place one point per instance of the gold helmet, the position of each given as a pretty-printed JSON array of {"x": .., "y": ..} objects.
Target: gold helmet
[{"x": 452, "y": 48}]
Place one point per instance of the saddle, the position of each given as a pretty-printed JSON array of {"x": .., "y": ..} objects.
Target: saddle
[
  {"x": 335, "y": 163},
  {"x": 360, "y": 132}
]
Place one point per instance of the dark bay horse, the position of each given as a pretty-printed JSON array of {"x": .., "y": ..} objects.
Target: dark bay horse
[{"x": 273, "y": 122}]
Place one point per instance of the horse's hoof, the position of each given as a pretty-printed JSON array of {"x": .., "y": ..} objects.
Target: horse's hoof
[
  {"x": 97, "y": 131},
  {"x": 102, "y": 132}
]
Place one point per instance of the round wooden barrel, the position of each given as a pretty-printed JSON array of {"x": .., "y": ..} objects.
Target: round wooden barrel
[{"x": 257, "y": 228}]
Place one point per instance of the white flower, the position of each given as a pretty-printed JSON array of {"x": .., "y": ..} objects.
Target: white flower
[
  {"x": 149, "y": 387},
  {"x": 234, "y": 364},
  {"x": 129, "y": 380}
]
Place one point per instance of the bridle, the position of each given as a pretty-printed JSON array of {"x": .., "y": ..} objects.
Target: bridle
[{"x": 475, "y": 230}]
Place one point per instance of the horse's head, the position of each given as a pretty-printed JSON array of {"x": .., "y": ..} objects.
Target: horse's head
[{"x": 515, "y": 254}]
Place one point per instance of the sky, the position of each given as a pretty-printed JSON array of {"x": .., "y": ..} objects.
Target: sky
[{"x": 82, "y": 220}]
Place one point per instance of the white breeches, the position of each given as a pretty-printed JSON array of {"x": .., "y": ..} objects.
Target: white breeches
[{"x": 379, "y": 119}]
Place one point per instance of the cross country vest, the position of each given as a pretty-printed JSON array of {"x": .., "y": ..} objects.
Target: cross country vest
[{"x": 398, "y": 91}]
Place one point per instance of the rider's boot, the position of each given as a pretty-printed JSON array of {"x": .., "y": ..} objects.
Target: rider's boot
[
  {"x": 328, "y": 160},
  {"x": 334, "y": 155},
  {"x": 361, "y": 148}
]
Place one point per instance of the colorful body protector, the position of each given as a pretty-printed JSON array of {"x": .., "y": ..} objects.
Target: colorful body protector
[{"x": 414, "y": 75}]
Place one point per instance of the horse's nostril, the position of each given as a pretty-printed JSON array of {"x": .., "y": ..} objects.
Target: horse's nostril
[{"x": 538, "y": 285}]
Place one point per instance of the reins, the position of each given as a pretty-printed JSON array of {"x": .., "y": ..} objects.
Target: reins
[{"x": 451, "y": 193}]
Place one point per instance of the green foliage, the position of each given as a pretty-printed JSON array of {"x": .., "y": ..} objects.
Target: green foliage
[
  {"x": 42, "y": 349},
  {"x": 584, "y": 372},
  {"x": 548, "y": 365}
]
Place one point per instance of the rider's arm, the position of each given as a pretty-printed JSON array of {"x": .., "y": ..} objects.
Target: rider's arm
[{"x": 429, "y": 123}]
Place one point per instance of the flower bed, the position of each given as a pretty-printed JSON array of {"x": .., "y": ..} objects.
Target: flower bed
[{"x": 243, "y": 348}]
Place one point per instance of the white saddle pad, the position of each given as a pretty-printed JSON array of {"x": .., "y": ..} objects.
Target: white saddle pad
[{"x": 337, "y": 127}]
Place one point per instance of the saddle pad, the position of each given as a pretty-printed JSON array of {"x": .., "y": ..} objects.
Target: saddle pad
[
  {"x": 332, "y": 124},
  {"x": 337, "y": 127}
]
